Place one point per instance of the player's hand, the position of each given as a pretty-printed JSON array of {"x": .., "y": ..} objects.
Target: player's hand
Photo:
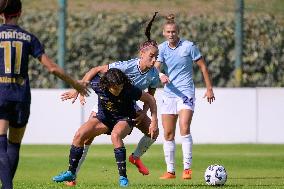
[
  {"x": 72, "y": 94},
  {"x": 164, "y": 78},
  {"x": 140, "y": 115},
  {"x": 210, "y": 95},
  {"x": 82, "y": 87},
  {"x": 154, "y": 129}
]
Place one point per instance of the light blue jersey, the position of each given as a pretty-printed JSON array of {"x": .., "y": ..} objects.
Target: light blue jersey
[
  {"x": 132, "y": 70},
  {"x": 177, "y": 63}
]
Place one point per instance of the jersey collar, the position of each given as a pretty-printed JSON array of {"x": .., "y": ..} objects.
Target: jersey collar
[
  {"x": 11, "y": 25},
  {"x": 138, "y": 67},
  {"x": 178, "y": 44}
]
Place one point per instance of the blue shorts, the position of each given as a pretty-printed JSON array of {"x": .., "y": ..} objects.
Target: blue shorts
[
  {"x": 17, "y": 113},
  {"x": 110, "y": 123}
]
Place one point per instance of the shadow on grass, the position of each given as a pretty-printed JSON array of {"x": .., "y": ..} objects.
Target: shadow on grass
[
  {"x": 256, "y": 178},
  {"x": 143, "y": 186},
  {"x": 205, "y": 185}
]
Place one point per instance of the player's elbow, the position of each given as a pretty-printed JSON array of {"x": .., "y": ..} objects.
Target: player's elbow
[
  {"x": 92, "y": 72},
  {"x": 53, "y": 70},
  {"x": 151, "y": 101}
]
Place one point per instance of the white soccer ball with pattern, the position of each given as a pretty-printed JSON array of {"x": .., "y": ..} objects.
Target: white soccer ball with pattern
[{"x": 215, "y": 175}]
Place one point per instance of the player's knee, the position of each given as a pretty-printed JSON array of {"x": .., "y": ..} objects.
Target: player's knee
[
  {"x": 169, "y": 136},
  {"x": 144, "y": 126},
  {"x": 78, "y": 138},
  {"x": 115, "y": 137},
  {"x": 89, "y": 141},
  {"x": 144, "y": 129},
  {"x": 184, "y": 125},
  {"x": 184, "y": 131}
]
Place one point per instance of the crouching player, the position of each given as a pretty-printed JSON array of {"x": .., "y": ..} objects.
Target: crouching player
[
  {"x": 143, "y": 75},
  {"x": 116, "y": 101}
]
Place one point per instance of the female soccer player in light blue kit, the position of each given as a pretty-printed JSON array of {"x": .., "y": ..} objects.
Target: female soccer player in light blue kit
[
  {"x": 177, "y": 57},
  {"x": 144, "y": 75}
]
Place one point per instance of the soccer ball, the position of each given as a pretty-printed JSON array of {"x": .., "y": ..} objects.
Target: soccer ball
[{"x": 215, "y": 175}]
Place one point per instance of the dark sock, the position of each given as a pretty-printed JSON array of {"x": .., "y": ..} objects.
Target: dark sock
[
  {"x": 120, "y": 156},
  {"x": 5, "y": 172},
  {"x": 13, "y": 154},
  {"x": 74, "y": 157}
]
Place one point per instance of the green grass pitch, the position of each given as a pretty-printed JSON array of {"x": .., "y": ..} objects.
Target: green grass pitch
[{"x": 247, "y": 165}]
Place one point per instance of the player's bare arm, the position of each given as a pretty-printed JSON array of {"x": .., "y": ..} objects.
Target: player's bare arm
[
  {"x": 150, "y": 100},
  {"x": 94, "y": 71},
  {"x": 141, "y": 114},
  {"x": 59, "y": 72},
  {"x": 163, "y": 77},
  {"x": 209, "y": 92},
  {"x": 73, "y": 94}
]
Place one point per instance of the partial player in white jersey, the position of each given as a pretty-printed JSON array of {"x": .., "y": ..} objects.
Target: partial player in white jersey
[
  {"x": 144, "y": 75},
  {"x": 176, "y": 57}
]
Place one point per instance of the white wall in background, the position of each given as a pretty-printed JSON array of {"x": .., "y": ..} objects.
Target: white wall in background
[{"x": 239, "y": 115}]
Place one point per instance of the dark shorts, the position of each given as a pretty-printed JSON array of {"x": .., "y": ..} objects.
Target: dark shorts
[
  {"x": 17, "y": 113},
  {"x": 110, "y": 123}
]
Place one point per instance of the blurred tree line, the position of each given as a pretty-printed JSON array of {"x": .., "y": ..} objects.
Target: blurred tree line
[{"x": 96, "y": 39}]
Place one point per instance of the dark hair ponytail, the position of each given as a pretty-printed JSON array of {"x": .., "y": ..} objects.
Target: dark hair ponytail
[
  {"x": 149, "y": 41},
  {"x": 149, "y": 26}
]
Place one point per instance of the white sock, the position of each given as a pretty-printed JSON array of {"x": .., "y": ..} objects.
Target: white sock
[
  {"x": 169, "y": 152},
  {"x": 85, "y": 152},
  {"x": 143, "y": 145},
  {"x": 187, "y": 151}
]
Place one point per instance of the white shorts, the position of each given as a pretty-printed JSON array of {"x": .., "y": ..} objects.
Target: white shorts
[
  {"x": 174, "y": 104},
  {"x": 95, "y": 108}
]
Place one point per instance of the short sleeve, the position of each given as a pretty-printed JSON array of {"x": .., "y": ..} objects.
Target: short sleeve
[
  {"x": 37, "y": 48},
  {"x": 95, "y": 83},
  {"x": 195, "y": 53},
  {"x": 161, "y": 57},
  {"x": 136, "y": 93},
  {"x": 155, "y": 79},
  {"x": 119, "y": 65}
]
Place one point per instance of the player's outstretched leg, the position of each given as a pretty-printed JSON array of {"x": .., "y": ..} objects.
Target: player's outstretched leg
[
  {"x": 143, "y": 145},
  {"x": 138, "y": 163}
]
